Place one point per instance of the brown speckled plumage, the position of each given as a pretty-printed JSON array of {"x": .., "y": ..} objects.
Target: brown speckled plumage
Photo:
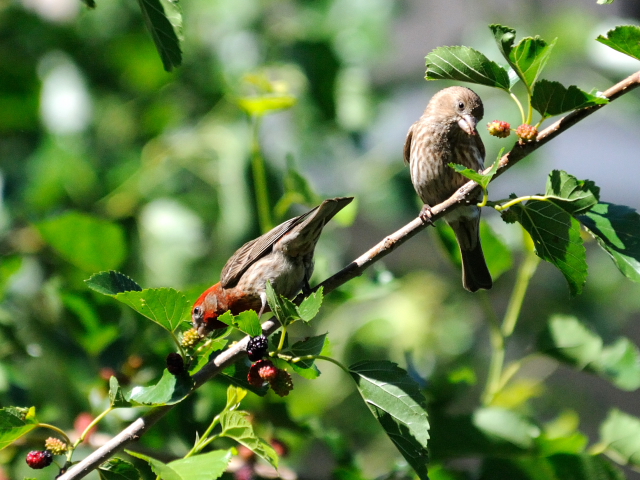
[{"x": 446, "y": 133}]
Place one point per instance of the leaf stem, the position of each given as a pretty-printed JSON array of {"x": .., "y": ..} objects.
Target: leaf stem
[
  {"x": 515, "y": 201},
  {"x": 57, "y": 430},
  {"x": 260, "y": 178},
  {"x": 204, "y": 440},
  {"x": 282, "y": 338},
  {"x": 515, "y": 99}
]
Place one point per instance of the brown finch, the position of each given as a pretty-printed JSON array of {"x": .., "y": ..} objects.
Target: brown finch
[
  {"x": 283, "y": 256},
  {"x": 446, "y": 133}
]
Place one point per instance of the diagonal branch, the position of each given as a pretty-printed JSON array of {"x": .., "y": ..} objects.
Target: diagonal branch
[{"x": 354, "y": 269}]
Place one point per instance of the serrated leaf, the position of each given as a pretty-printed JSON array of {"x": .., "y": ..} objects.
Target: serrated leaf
[
  {"x": 236, "y": 425},
  {"x": 572, "y": 195},
  {"x": 264, "y": 104},
  {"x": 623, "y": 38},
  {"x": 556, "y": 236},
  {"x": 506, "y": 425},
  {"x": 248, "y": 322},
  {"x": 481, "y": 179},
  {"x": 116, "y": 395},
  {"x": 283, "y": 308},
  {"x": 204, "y": 466},
  {"x": 88, "y": 242},
  {"x": 164, "y": 306},
  {"x": 528, "y": 58},
  {"x": 15, "y": 423},
  {"x": 467, "y": 65},
  {"x": 310, "y": 306},
  {"x": 620, "y": 433},
  {"x": 214, "y": 345},
  {"x": 162, "y": 31},
  {"x": 234, "y": 397},
  {"x": 397, "y": 403},
  {"x": 169, "y": 390},
  {"x": 308, "y": 346},
  {"x": 552, "y": 98},
  {"x": 617, "y": 230},
  {"x": 118, "y": 469},
  {"x": 112, "y": 283}
]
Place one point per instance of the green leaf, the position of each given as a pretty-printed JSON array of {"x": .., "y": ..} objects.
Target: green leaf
[
  {"x": 169, "y": 390},
  {"x": 214, "y": 345},
  {"x": 264, "y": 104},
  {"x": 118, "y": 469},
  {"x": 308, "y": 346},
  {"x": 14, "y": 423},
  {"x": 617, "y": 230},
  {"x": 569, "y": 341},
  {"x": 623, "y": 38},
  {"x": 116, "y": 395},
  {"x": 496, "y": 252},
  {"x": 528, "y": 58},
  {"x": 249, "y": 323},
  {"x": 552, "y": 98},
  {"x": 96, "y": 336},
  {"x": 9, "y": 265},
  {"x": 297, "y": 189},
  {"x": 467, "y": 65},
  {"x": 506, "y": 425},
  {"x": 235, "y": 395},
  {"x": 556, "y": 236},
  {"x": 620, "y": 434},
  {"x": 310, "y": 306},
  {"x": 283, "y": 308},
  {"x": 164, "y": 306},
  {"x": 88, "y": 242},
  {"x": 397, "y": 403},
  {"x": 572, "y": 195},
  {"x": 236, "y": 425},
  {"x": 482, "y": 179},
  {"x": 162, "y": 31},
  {"x": 205, "y": 466},
  {"x": 112, "y": 283}
]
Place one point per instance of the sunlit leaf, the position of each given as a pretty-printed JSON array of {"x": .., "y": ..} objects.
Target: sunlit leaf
[
  {"x": 112, "y": 283},
  {"x": 556, "y": 236},
  {"x": 236, "y": 425},
  {"x": 467, "y": 65},
  {"x": 617, "y": 230},
  {"x": 310, "y": 306},
  {"x": 15, "y": 423},
  {"x": 168, "y": 391},
  {"x": 265, "y": 104},
  {"x": 623, "y": 38},
  {"x": 527, "y": 58},
  {"x": 620, "y": 433},
  {"x": 116, "y": 395},
  {"x": 572, "y": 195},
  {"x": 204, "y": 466},
  {"x": 163, "y": 31},
  {"x": 213, "y": 346},
  {"x": 88, "y": 242},
  {"x": 249, "y": 323},
  {"x": 397, "y": 403},
  {"x": 553, "y": 98},
  {"x": 118, "y": 469},
  {"x": 506, "y": 425},
  {"x": 165, "y": 306},
  {"x": 283, "y": 308}
]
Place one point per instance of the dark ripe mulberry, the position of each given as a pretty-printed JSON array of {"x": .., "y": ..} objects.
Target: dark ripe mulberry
[
  {"x": 175, "y": 363},
  {"x": 257, "y": 347},
  {"x": 38, "y": 459},
  {"x": 282, "y": 384}
]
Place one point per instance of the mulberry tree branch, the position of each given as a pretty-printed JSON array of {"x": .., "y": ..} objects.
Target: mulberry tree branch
[{"x": 354, "y": 269}]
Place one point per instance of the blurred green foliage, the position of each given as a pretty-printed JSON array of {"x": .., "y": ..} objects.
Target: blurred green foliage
[{"x": 108, "y": 161}]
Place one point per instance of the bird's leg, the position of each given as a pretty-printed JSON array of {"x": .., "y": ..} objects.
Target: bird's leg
[{"x": 426, "y": 214}]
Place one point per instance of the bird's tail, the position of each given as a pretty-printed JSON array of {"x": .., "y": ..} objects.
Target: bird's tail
[{"x": 475, "y": 273}]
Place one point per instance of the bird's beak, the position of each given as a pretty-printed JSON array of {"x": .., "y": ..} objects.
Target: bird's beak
[{"x": 468, "y": 124}]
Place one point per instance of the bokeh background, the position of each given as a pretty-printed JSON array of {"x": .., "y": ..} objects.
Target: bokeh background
[{"x": 90, "y": 122}]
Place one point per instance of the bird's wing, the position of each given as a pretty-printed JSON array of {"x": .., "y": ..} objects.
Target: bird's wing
[
  {"x": 407, "y": 146},
  {"x": 255, "y": 249}
]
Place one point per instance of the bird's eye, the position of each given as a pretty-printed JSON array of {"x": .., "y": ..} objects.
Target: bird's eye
[
  {"x": 460, "y": 105},
  {"x": 196, "y": 311}
]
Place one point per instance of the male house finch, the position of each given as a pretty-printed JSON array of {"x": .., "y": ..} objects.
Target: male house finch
[
  {"x": 447, "y": 133},
  {"x": 283, "y": 256}
]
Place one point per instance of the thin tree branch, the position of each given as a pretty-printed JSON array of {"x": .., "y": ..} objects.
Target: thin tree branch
[{"x": 354, "y": 269}]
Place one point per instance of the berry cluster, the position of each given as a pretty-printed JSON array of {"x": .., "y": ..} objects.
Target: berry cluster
[
  {"x": 175, "y": 363},
  {"x": 38, "y": 459},
  {"x": 55, "y": 446},
  {"x": 265, "y": 371},
  {"x": 190, "y": 338},
  {"x": 499, "y": 129},
  {"x": 257, "y": 347},
  {"x": 527, "y": 133}
]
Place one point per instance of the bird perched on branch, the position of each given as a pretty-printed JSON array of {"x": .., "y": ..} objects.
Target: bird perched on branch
[
  {"x": 446, "y": 133},
  {"x": 283, "y": 256}
]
